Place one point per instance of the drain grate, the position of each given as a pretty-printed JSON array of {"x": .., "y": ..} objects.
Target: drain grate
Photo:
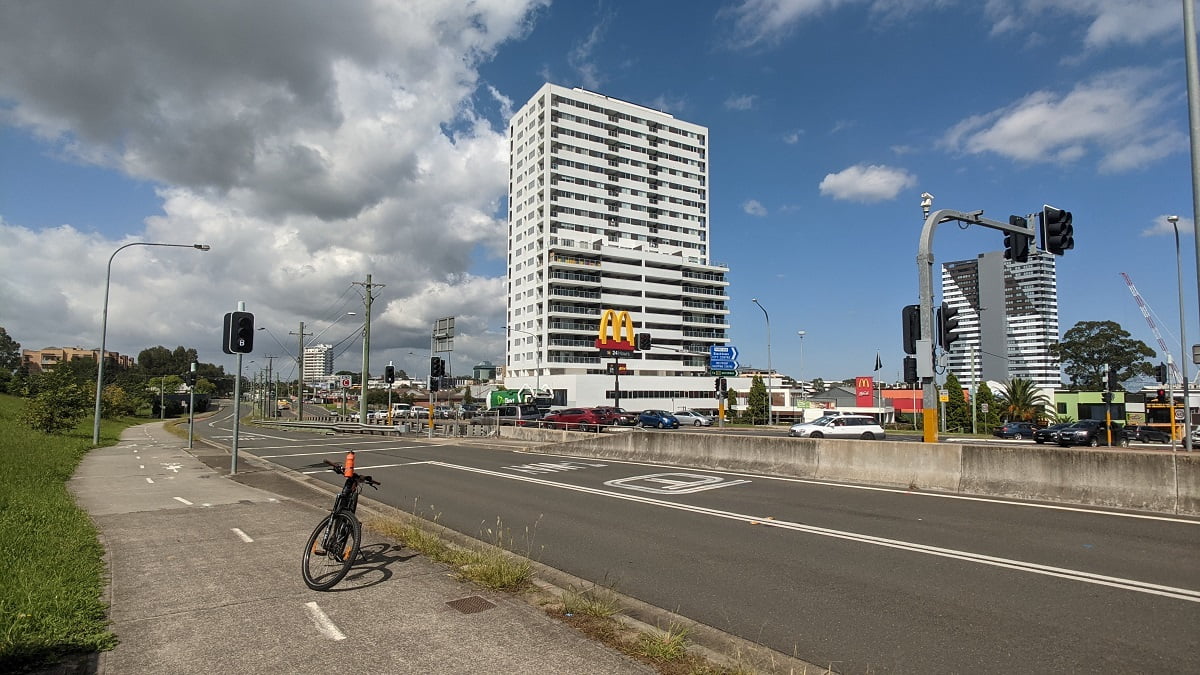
[{"x": 471, "y": 604}]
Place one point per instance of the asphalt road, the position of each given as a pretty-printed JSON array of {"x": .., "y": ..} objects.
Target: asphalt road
[{"x": 863, "y": 579}]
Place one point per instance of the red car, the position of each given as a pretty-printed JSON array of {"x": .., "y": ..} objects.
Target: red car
[{"x": 584, "y": 419}]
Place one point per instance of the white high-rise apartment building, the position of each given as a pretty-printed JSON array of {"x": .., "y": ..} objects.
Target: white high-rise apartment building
[
  {"x": 318, "y": 362},
  {"x": 1010, "y": 336},
  {"x": 608, "y": 209}
]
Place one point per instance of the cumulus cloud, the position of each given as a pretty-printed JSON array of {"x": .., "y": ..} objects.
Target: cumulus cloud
[
  {"x": 1109, "y": 22},
  {"x": 1118, "y": 115},
  {"x": 1163, "y": 226},
  {"x": 861, "y": 183},
  {"x": 742, "y": 102},
  {"x": 310, "y": 144},
  {"x": 754, "y": 207}
]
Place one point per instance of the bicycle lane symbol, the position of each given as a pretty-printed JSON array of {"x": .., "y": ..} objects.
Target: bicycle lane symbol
[{"x": 673, "y": 483}]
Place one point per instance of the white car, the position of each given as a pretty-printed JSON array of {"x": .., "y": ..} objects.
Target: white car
[
  {"x": 840, "y": 426},
  {"x": 693, "y": 418}
]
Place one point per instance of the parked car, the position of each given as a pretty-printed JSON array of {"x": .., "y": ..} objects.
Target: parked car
[
  {"x": 840, "y": 426},
  {"x": 620, "y": 416},
  {"x": 584, "y": 419},
  {"x": 658, "y": 418},
  {"x": 1089, "y": 432},
  {"x": 1015, "y": 430},
  {"x": 1049, "y": 434},
  {"x": 693, "y": 418},
  {"x": 517, "y": 414},
  {"x": 1141, "y": 433}
]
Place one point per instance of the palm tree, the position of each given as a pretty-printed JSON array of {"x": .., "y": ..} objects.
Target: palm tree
[{"x": 1020, "y": 400}]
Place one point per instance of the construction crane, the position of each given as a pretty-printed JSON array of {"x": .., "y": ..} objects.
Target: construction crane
[{"x": 1162, "y": 344}]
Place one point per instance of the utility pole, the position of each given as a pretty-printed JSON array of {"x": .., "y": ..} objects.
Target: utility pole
[
  {"x": 300, "y": 377},
  {"x": 267, "y": 382},
  {"x": 366, "y": 364}
]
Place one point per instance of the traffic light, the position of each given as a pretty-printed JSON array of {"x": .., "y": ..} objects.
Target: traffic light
[
  {"x": 910, "y": 321},
  {"x": 437, "y": 367},
  {"x": 435, "y": 383},
  {"x": 947, "y": 317},
  {"x": 910, "y": 369},
  {"x": 189, "y": 379},
  {"x": 1161, "y": 372},
  {"x": 1162, "y": 396},
  {"x": 1111, "y": 378},
  {"x": 719, "y": 385},
  {"x": 642, "y": 343},
  {"x": 1016, "y": 246},
  {"x": 389, "y": 373},
  {"x": 238, "y": 337},
  {"x": 1058, "y": 235}
]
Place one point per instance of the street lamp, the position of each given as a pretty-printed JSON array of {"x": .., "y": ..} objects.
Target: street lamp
[
  {"x": 538, "y": 376},
  {"x": 769, "y": 369},
  {"x": 104, "y": 326},
  {"x": 1183, "y": 374},
  {"x": 803, "y": 389}
]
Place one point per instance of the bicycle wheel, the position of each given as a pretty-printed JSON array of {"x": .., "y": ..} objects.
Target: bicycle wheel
[{"x": 331, "y": 550}]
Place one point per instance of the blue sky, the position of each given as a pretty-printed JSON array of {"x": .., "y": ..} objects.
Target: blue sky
[{"x": 368, "y": 138}]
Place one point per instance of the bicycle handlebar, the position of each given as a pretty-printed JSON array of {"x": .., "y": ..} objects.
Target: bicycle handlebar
[{"x": 356, "y": 476}]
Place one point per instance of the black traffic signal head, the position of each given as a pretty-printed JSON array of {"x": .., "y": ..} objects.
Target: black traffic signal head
[
  {"x": 239, "y": 333},
  {"x": 947, "y": 323},
  {"x": 1016, "y": 246},
  {"x": 1111, "y": 378},
  {"x": 1161, "y": 372},
  {"x": 910, "y": 320},
  {"x": 1162, "y": 396},
  {"x": 436, "y": 367},
  {"x": 642, "y": 342},
  {"x": 389, "y": 374},
  {"x": 910, "y": 369},
  {"x": 1058, "y": 234}
]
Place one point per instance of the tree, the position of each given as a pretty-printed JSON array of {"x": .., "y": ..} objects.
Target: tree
[
  {"x": 730, "y": 403},
  {"x": 756, "y": 402},
  {"x": 985, "y": 399},
  {"x": 468, "y": 397},
  {"x": 958, "y": 413},
  {"x": 204, "y": 386},
  {"x": 1021, "y": 401},
  {"x": 818, "y": 385},
  {"x": 10, "y": 359},
  {"x": 115, "y": 401},
  {"x": 55, "y": 403},
  {"x": 1090, "y": 346}
]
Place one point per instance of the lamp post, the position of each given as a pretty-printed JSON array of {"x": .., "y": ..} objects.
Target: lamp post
[
  {"x": 800, "y": 376},
  {"x": 537, "y": 378},
  {"x": 1183, "y": 356},
  {"x": 104, "y": 327},
  {"x": 770, "y": 371},
  {"x": 300, "y": 362}
]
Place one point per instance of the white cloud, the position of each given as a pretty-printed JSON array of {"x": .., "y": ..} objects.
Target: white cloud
[
  {"x": 754, "y": 208},
  {"x": 1109, "y": 22},
  {"x": 1120, "y": 115},
  {"x": 742, "y": 102},
  {"x": 308, "y": 144},
  {"x": 581, "y": 56},
  {"x": 861, "y": 183},
  {"x": 1163, "y": 226},
  {"x": 793, "y": 137}
]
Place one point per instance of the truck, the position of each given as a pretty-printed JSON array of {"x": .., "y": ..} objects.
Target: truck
[{"x": 541, "y": 398}]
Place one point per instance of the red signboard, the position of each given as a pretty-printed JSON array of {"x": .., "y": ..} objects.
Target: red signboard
[{"x": 864, "y": 392}]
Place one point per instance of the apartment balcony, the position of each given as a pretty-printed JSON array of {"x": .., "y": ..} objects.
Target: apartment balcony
[
  {"x": 560, "y": 292},
  {"x": 573, "y": 327},
  {"x": 574, "y": 310},
  {"x": 576, "y": 277},
  {"x": 706, "y": 292}
]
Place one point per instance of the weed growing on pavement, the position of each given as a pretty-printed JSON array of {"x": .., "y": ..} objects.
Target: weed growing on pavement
[
  {"x": 593, "y": 600},
  {"x": 50, "y": 557},
  {"x": 668, "y": 645}
]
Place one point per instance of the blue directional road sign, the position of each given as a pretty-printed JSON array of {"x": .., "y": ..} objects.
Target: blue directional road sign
[{"x": 721, "y": 357}]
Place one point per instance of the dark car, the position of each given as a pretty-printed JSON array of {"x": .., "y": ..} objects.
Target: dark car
[
  {"x": 1089, "y": 432},
  {"x": 1141, "y": 433},
  {"x": 1050, "y": 433},
  {"x": 584, "y": 419},
  {"x": 1017, "y": 430},
  {"x": 620, "y": 416},
  {"x": 658, "y": 418}
]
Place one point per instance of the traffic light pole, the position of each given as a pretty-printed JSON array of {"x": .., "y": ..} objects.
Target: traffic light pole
[{"x": 924, "y": 355}]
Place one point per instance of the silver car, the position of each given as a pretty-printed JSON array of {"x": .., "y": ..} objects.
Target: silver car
[
  {"x": 840, "y": 426},
  {"x": 693, "y": 418}
]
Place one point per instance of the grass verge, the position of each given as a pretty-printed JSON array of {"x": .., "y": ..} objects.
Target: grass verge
[{"x": 51, "y": 561}]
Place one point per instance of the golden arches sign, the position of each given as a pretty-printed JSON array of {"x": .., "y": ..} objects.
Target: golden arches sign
[{"x": 616, "y": 331}]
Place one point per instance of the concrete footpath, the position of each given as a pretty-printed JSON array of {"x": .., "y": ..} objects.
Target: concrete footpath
[{"x": 205, "y": 577}]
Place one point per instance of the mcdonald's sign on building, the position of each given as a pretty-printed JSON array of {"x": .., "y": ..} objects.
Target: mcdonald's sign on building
[
  {"x": 616, "y": 331},
  {"x": 864, "y": 391}
]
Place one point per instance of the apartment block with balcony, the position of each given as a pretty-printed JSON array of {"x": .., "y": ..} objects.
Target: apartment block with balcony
[
  {"x": 40, "y": 360},
  {"x": 608, "y": 209}
]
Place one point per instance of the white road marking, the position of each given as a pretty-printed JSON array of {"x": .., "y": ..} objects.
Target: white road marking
[
  {"x": 242, "y": 535},
  {"x": 172, "y": 467},
  {"x": 323, "y": 623},
  {"x": 334, "y": 451},
  {"x": 1022, "y": 566},
  {"x": 182, "y": 500},
  {"x": 673, "y": 483},
  {"x": 149, "y": 480},
  {"x": 1097, "y": 511}
]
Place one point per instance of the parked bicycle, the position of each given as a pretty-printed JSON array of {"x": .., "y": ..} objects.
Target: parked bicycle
[{"x": 334, "y": 545}]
